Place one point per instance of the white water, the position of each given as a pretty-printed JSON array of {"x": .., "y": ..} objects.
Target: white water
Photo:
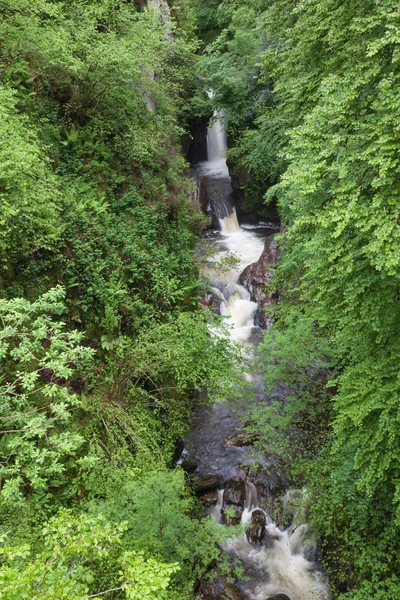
[
  {"x": 245, "y": 246},
  {"x": 215, "y": 168},
  {"x": 279, "y": 567},
  {"x": 279, "y": 570},
  {"x": 237, "y": 306},
  {"x": 229, "y": 224},
  {"x": 217, "y": 145}
]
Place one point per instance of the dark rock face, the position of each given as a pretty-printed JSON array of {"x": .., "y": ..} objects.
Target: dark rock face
[
  {"x": 212, "y": 302},
  {"x": 235, "y": 491},
  {"x": 210, "y": 497},
  {"x": 279, "y": 597},
  {"x": 241, "y": 439},
  {"x": 189, "y": 466},
  {"x": 278, "y": 483},
  {"x": 234, "y": 499},
  {"x": 179, "y": 448},
  {"x": 255, "y": 532},
  {"x": 49, "y": 376},
  {"x": 256, "y": 276},
  {"x": 205, "y": 483},
  {"x": 197, "y": 147},
  {"x": 218, "y": 192},
  {"x": 203, "y": 196}
]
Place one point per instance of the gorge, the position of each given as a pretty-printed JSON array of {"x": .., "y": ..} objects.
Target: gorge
[
  {"x": 199, "y": 300},
  {"x": 276, "y": 559}
]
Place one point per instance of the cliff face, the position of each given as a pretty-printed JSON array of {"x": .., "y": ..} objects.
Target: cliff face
[
  {"x": 258, "y": 275},
  {"x": 163, "y": 8}
]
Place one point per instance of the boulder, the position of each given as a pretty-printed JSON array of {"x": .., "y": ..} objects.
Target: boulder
[
  {"x": 273, "y": 480},
  {"x": 258, "y": 275},
  {"x": 212, "y": 301},
  {"x": 256, "y": 530},
  {"x": 189, "y": 466},
  {"x": 205, "y": 483},
  {"x": 235, "y": 491},
  {"x": 231, "y": 515},
  {"x": 210, "y": 497},
  {"x": 241, "y": 439},
  {"x": 279, "y": 597},
  {"x": 233, "y": 501},
  {"x": 210, "y": 590},
  {"x": 231, "y": 592}
]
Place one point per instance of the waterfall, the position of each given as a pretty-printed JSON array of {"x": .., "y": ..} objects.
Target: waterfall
[
  {"x": 279, "y": 567},
  {"x": 277, "y": 562},
  {"x": 216, "y": 173},
  {"x": 237, "y": 305},
  {"x": 217, "y": 144}
]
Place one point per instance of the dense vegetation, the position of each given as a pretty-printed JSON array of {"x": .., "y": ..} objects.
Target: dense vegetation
[
  {"x": 312, "y": 91},
  {"x": 103, "y": 351},
  {"x": 102, "y": 348}
]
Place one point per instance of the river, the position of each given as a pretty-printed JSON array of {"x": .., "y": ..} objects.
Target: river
[{"x": 277, "y": 561}]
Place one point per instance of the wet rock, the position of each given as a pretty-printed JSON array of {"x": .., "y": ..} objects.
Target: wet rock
[
  {"x": 235, "y": 491},
  {"x": 255, "y": 532},
  {"x": 233, "y": 501},
  {"x": 189, "y": 466},
  {"x": 212, "y": 301},
  {"x": 273, "y": 480},
  {"x": 241, "y": 439},
  {"x": 256, "y": 276},
  {"x": 278, "y": 483},
  {"x": 205, "y": 483},
  {"x": 231, "y": 515},
  {"x": 279, "y": 597},
  {"x": 179, "y": 448},
  {"x": 231, "y": 592},
  {"x": 197, "y": 145},
  {"x": 210, "y": 590},
  {"x": 210, "y": 497}
]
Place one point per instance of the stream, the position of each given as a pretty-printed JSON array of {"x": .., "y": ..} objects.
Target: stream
[{"x": 277, "y": 562}]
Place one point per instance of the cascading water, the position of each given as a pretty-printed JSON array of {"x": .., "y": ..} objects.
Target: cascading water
[
  {"x": 217, "y": 143},
  {"x": 278, "y": 567},
  {"x": 216, "y": 174},
  {"x": 278, "y": 564}
]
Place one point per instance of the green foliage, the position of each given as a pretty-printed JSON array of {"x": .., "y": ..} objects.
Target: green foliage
[
  {"x": 158, "y": 509},
  {"x": 91, "y": 190},
  {"x": 334, "y": 114},
  {"x": 231, "y": 67},
  {"x": 103, "y": 351},
  {"x": 29, "y": 198},
  {"x": 149, "y": 391},
  {"x": 321, "y": 113},
  {"x": 38, "y": 358},
  {"x": 74, "y": 550},
  {"x": 294, "y": 427},
  {"x": 206, "y": 15},
  {"x": 106, "y": 450}
]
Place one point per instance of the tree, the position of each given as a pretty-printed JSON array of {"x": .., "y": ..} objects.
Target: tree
[
  {"x": 75, "y": 551},
  {"x": 37, "y": 407}
]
